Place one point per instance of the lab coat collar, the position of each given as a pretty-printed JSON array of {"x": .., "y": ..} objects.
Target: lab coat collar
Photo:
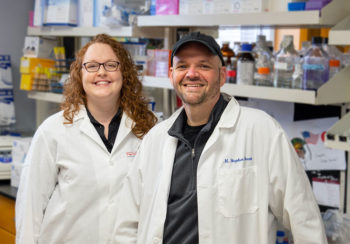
[
  {"x": 228, "y": 118},
  {"x": 125, "y": 126},
  {"x": 87, "y": 128},
  {"x": 230, "y": 115}
]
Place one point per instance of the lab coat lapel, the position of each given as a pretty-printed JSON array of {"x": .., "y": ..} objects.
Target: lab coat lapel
[
  {"x": 160, "y": 207},
  {"x": 228, "y": 119},
  {"x": 123, "y": 131},
  {"x": 87, "y": 128}
]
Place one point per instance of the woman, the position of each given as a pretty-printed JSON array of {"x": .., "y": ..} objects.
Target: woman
[{"x": 79, "y": 156}]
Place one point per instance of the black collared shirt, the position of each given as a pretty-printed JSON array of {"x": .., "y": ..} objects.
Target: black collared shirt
[
  {"x": 181, "y": 224},
  {"x": 113, "y": 128}
]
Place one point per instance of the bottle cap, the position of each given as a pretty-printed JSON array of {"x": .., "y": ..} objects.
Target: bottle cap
[
  {"x": 334, "y": 63},
  {"x": 246, "y": 47},
  {"x": 264, "y": 70},
  {"x": 317, "y": 40}
]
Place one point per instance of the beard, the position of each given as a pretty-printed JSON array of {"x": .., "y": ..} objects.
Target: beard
[{"x": 194, "y": 98}]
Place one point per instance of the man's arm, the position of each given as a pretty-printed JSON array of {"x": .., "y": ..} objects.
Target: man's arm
[{"x": 291, "y": 198}]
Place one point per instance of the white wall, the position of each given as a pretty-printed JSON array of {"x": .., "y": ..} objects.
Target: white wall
[{"x": 13, "y": 27}]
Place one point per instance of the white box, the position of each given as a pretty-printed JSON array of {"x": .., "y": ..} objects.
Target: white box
[
  {"x": 99, "y": 18},
  {"x": 38, "y": 12},
  {"x": 20, "y": 147},
  {"x": 86, "y": 13},
  {"x": 38, "y": 47},
  {"x": 187, "y": 7},
  {"x": 61, "y": 13},
  {"x": 250, "y": 6},
  {"x": 223, "y": 7},
  {"x": 7, "y": 105},
  {"x": 16, "y": 171}
]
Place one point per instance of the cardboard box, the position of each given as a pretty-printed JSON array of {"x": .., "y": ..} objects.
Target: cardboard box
[
  {"x": 28, "y": 67},
  {"x": 38, "y": 47}
]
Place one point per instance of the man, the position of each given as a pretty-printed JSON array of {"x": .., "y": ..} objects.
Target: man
[{"x": 214, "y": 172}]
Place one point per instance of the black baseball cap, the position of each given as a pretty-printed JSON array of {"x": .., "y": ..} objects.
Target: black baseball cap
[{"x": 206, "y": 40}]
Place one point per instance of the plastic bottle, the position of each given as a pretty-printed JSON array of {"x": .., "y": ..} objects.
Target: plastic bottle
[
  {"x": 263, "y": 62},
  {"x": 280, "y": 237},
  {"x": 335, "y": 58},
  {"x": 245, "y": 65},
  {"x": 230, "y": 62},
  {"x": 286, "y": 59},
  {"x": 334, "y": 67},
  {"x": 315, "y": 66}
]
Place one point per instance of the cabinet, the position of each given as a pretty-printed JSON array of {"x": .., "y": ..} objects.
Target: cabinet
[
  {"x": 7, "y": 220},
  {"x": 335, "y": 91}
]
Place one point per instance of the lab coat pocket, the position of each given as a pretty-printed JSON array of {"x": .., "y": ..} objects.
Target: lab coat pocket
[{"x": 237, "y": 191}]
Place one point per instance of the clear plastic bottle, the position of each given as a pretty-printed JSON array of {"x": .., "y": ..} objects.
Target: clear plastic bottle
[
  {"x": 334, "y": 67},
  {"x": 335, "y": 58},
  {"x": 285, "y": 61},
  {"x": 245, "y": 65},
  {"x": 229, "y": 58},
  {"x": 263, "y": 62},
  {"x": 315, "y": 66}
]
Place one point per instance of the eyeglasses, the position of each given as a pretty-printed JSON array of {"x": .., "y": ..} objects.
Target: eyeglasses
[{"x": 109, "y": 66}]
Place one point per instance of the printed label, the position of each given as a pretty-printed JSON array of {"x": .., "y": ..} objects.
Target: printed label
[
  {"x": 245, "y": 74},
  {"x": 313, "y": 67}
]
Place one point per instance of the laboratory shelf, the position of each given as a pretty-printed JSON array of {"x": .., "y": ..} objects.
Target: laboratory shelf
[
  {"x": 335, "y": 91},
  {"x": 340, "y": 33},
  {"x": 156, "y": 82},
  {"x": 338, "y": 136},
  {"x": 46, "y": 96},
  {"x": 122, "y": 31},
  {"x": 295, "y": 18}
]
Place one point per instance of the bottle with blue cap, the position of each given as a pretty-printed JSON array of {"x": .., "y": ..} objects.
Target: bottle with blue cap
[
  {"x": 245, "y": 65},
  {"x": 280, "y": 236}
]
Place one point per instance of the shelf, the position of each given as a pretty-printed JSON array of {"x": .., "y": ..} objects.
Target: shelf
[
  {"x": 296, "y": 18},
  {"x": 46, "y": 96},
  {"x": 335, "y": 91},
  {"x": 156, "y": 82},
  {"x": 123, "y": 31},
  {"x": 340, "y": 131},
  {"x": 340, "y": 33}
]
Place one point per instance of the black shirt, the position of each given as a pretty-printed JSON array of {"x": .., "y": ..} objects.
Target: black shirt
[
  {"x": 181, "y": 223},
  {"x": 113, "y": 128}
]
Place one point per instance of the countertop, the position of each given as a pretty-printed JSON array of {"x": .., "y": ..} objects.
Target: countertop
[{"x": 7, "y": 190}]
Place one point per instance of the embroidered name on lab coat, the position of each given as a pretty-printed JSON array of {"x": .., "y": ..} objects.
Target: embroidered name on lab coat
[{"x": 237, "y": 160}]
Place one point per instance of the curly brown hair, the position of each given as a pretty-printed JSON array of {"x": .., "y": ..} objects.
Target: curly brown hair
[{"x": 131, "y": 98}]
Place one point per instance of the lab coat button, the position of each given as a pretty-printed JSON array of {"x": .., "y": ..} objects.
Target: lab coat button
[{"x": 156, "y": 240}]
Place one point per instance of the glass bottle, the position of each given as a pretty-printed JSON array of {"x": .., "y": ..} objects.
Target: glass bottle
[
  {"x": 228, "y": 55},
  {"x": 263, "y": 62},
  {"x": 245, "y": 65},
  {"x": 315, "y": 66},
  {"x": 285, "y": 61}
]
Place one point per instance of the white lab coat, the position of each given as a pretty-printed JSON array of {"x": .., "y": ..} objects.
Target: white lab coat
[
  {"x": 70, "y": 183},
  {"x": 248, "y": 177}
]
